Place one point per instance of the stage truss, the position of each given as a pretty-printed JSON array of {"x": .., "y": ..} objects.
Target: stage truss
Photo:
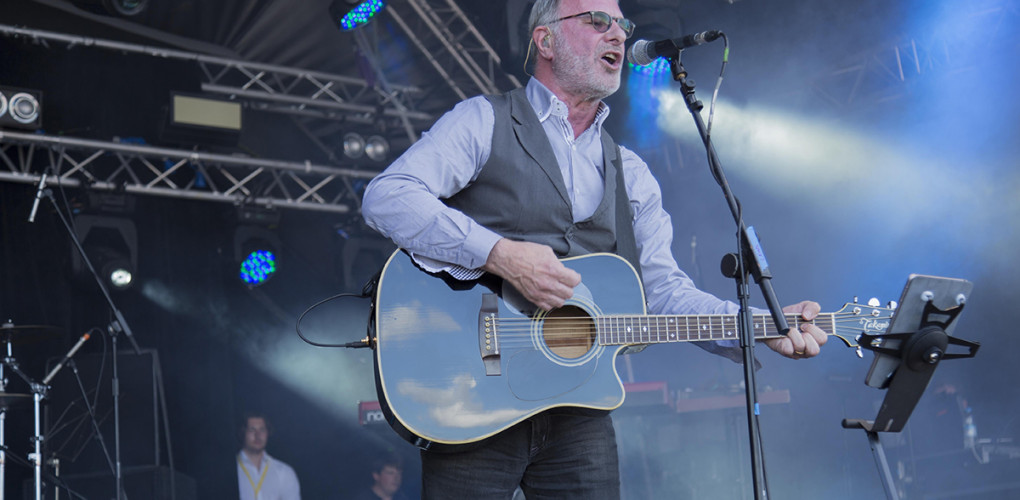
[{"x": 178, "y": 173}]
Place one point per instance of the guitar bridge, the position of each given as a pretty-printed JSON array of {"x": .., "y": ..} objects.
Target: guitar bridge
[{"x": 488, "y": 341}]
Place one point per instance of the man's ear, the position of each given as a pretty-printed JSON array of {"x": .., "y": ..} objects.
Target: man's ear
[{"x": 543, "y": 39}]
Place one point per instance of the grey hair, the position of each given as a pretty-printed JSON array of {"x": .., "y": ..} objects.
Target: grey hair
[{"x": 543, "y": 12}]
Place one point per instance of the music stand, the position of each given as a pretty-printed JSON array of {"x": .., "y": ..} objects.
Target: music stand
[{"x": 906, "y": 356}]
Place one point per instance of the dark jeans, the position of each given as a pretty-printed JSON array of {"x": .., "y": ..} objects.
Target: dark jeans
[{"x": 551, "y": 456}]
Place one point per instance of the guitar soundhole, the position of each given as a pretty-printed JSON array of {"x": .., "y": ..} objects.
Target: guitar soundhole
[{"x": 569, "y": 332}]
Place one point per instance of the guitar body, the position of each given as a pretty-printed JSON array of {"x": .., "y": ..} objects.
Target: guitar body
[{"x": 444, "y": 380}]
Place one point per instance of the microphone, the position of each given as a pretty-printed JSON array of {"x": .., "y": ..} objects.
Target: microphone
[
  {"x": 38, "y": 196},
  {"x": 643, "y": 52},
  {"x": 67, "y": 357}
]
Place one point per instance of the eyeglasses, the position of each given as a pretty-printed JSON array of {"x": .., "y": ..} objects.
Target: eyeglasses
[{"x": 602, "y": 21}]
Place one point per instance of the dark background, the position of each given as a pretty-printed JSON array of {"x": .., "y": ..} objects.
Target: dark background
[{"x": 853, "y": 178}]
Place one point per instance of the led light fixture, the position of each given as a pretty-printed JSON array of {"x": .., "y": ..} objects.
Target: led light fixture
[
  {"x": 259, "y": 266},
  {"x": 659, "y": 66},
  {"x": 347, "y": 18}
]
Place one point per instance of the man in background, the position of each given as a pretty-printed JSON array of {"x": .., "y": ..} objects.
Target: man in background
[
  {"x": 260, "y": 476},
  {"x": 387, "y": 475}
]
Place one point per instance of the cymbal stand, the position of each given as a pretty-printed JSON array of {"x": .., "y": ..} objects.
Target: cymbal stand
[
  {"x": 38, "y": 393},
  {"x": 39, "y": 390},
  {"x": 3, "y": 418}
]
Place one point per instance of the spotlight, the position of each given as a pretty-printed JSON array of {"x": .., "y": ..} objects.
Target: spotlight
[
  {"x": 258, "y": 267},
  {"x": 347, "y": 18},
  {"x": 114, "y": 267},
  {"x": 256, "y": 254},
  {"x": 377, "y": 148},
  {"x": 111, "y": 244},
  {"x": 354, "y": 145},
  {"x": 20, "y": 108}
]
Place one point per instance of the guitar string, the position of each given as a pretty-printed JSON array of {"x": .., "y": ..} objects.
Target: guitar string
[
  {"x": 710, "y": 321},
  {"x": 518, "y": 329}
]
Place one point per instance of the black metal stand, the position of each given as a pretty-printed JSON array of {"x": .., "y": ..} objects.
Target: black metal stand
[
  {"x": 917, "y": 354},
  {"x": 749, "y": 261},
  {"x": 118, "y": 325}
]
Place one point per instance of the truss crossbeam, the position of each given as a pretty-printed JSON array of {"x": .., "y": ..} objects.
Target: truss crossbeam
[
  {"x": 448, "y": 39},
  {"x": 297, "y": 89},
  {"x": 178, "y": 173}
]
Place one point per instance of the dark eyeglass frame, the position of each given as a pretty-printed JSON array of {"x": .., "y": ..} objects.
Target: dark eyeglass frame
[{"x": 605, "y": 20}]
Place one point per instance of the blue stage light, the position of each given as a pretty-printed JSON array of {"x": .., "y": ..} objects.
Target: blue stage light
[
  {"x": 358, "y": 16},
  {"x": 258, "y": 267},
  {"x": 659, "y": 66}
]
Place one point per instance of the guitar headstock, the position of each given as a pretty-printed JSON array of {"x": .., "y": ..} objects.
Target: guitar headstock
[{"x": 854, "y": 319}]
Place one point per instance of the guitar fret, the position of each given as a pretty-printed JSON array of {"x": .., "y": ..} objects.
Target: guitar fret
[{"x": 657, "y": 329}]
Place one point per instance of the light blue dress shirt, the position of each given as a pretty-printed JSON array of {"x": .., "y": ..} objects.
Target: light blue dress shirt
[{"x": 403, "y": 202}]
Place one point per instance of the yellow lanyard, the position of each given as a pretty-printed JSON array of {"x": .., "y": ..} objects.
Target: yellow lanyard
[{"x": 250, "y": 480}]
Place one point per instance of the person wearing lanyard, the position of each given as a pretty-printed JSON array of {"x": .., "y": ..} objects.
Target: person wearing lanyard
[{"x": 260, "y": 476}]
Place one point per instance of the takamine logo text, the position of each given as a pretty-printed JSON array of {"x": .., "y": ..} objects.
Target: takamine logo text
[{"x": 874, "y": 325}]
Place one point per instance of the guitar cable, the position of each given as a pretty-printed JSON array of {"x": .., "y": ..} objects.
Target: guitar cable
[
  {"x": 365, "y": 342},
  {"x": 367, "y": 292}
]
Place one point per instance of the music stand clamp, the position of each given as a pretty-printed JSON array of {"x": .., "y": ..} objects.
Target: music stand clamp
[{"x": 906, "y": 357}]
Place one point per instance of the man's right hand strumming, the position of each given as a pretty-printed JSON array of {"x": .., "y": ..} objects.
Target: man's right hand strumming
[{"x": 533, "y": 270}]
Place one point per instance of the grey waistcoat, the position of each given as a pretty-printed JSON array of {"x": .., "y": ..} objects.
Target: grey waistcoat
[{"x": 520, "y": 193}]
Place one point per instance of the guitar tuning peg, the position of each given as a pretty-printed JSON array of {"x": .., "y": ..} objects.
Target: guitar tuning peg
[
  {"x": 874, "y": 302},
  {"x": 892, "y": 304},
  {"x": 855, "y": 299},
  {"x": 860, "y": 354}
]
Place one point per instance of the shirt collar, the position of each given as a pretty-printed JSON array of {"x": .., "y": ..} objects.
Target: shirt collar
[
  {"x": 244, "y": 458},
  {"x": 546, "y": 104}
]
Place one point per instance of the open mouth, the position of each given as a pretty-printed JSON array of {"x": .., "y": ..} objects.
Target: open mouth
[{"x": 613, "y": 59}]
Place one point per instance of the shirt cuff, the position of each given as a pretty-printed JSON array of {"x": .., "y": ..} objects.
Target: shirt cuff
[{"x": 478, "y": 245}]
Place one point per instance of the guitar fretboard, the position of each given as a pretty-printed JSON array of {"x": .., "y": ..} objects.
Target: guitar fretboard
[{"x": 640, "y": 329}]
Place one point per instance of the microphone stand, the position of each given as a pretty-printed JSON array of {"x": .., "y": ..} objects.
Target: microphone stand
[
  {"x": 119, "y": 324},
  {"x": 749, "y": 261}
]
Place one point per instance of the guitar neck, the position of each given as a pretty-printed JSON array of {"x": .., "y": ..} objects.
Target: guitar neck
[{"x": 658, "y": 329}]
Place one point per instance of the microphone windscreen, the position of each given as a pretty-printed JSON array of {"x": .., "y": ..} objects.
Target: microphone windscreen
[{"x": 638, "y": 53}]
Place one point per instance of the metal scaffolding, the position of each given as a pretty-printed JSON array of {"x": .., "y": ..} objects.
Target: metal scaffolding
[
  {"x": 267, "y": 87},
  {"x": 438, "y": 28},
  {"x": 177, "y": 173},
  {"x": 885, "y": 73},
  {"x": 448, "y": 39}
]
